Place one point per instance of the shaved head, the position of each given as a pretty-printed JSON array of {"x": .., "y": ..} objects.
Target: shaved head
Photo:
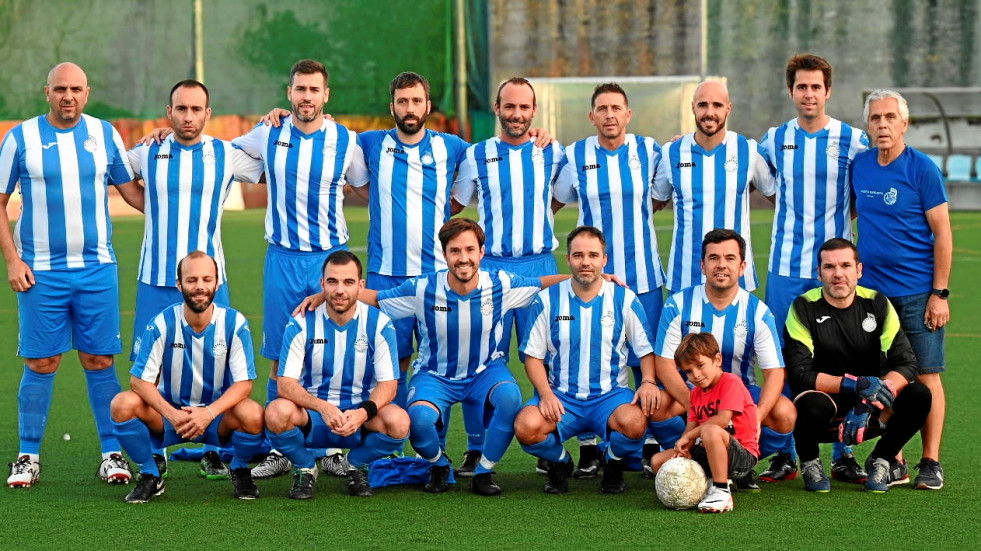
[
  {"x": 67, "y": 69},
  {"x": 710, "y": 106},
  {"x": 67, "y": 92},
  {"x": 711, "y": 87}
]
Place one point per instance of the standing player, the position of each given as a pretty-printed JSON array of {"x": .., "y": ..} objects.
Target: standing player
[
  {"x": 307, "y": 160},
  {"x": 610, "y": 175},
  {"x": 512, "y": 178},
  {"x": 709, "y": 174},
  {"x": 191, "y": 383},
  {"x": 900, "y": 199},
  {"x": 187, "y": 178},
  {"x": 336, "y": 383},
  {"x": 583, "y": 328},
  {"x": 744, "y": 328},
  {"x": 811, "y": 158},
  {"x": 61, "y": 263}
]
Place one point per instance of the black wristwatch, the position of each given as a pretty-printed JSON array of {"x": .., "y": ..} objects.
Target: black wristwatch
[{"x": 942, "y": 293}]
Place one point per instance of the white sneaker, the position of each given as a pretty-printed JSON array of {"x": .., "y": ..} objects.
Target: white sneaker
[
  {"x": 274, "y": 464},
  {"x": 115, "y": 469},
  {"x": 716, "y": 501},
  {"x": 334, "y": 465},
  {"x": 24, "y": 472}
]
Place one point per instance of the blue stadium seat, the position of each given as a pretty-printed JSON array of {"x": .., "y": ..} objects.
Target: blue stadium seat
[
  {"x": 937, "y": 160},
  {"x": 977, "y": 169},
  {"x": 959, "y": 168}
]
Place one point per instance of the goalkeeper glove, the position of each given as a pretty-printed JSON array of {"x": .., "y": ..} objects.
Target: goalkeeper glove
[
  {"x": 878, "y": 392},
  {"x": 852, "y": 429}
]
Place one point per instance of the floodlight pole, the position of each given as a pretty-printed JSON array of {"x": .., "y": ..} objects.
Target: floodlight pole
[
  {"x": 197, "y": 25},
  {"x": 703, "y": 23},
  {"x": 461, "y": 69}
]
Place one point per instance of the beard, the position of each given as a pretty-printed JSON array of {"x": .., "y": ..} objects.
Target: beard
[
  {"x": 196, "y": 307},
  {"x": 410, "y": 124}
]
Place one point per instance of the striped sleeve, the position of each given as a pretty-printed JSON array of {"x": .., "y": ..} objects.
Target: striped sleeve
[
  {"x": 293, "y": 352},
  {"x": 9, "y": 165},
  {"x": 386, "y": 350},
  {"x": 241, "y": 358},
  {"x": 635, "y": 323},
  {"x": 148, "y": 360},
  {"x": 535, "y": 342}
]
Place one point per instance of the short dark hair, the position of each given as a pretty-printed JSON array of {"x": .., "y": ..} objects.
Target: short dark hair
[
  {"x": 455, "y": 227},
  {"x": 694, "y": 345},
  {"x": 588, "y": 230},
  {"x": 309, "y": 67},
  {"x": 719, "y": 235},
  {"x": 608, "y": 88},
  {"x": 191, "y": 83},
  {"x": 836, "y": 244},
  {"x": 807, "y": 62},
  {"x": 192, "y": 255},
  {"x": 408, "y": 79},
  {"x": 516, "y": 81},
  {"x": 340, "y": 258}
]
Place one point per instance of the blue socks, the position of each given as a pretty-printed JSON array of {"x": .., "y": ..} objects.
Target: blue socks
[
  {"x": 34, "y": 401},
  {"x": 291, "y": 444},
  {"x": 505, "y": 398},
  {"x": 837, "y": 450},
  {"x": 402, "y": 392},
  {"x": 103, "y": 386},
  {"x": 246, "y": 447},
  {"x": 667, "y": 432},
  {"x": 621, "y": 446},
  {"x": 778, "y": 441},
  {"x": 473, "y": 423},
  {"x": 549, "y": 449},
  {"x": 135, "y": 439},
  {"x": 375, "y": 446},
  {"x": 423, "y": 435}
]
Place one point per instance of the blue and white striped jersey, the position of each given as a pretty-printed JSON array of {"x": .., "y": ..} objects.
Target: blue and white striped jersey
[
  {"x": 305, "y": 175},
  {"x": 813, "y": 202},
  {"x": 745, "y": 330},
  {"x": 513, "y": 186},
  {"x": 710, "y": 190},
  {"x": 409, "y": 199},
  {"x": 190, "y": 368},
  {"x": 63, "y": 177},
  {"x": 458, "y": 335},
  {"x": 340, "y": 364},
  {"x": 585, "y": 344},
  {"x": 614, "y": 191},
  {"x": 185, "y": 188}
]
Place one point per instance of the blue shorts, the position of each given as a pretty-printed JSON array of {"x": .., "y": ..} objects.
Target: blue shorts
[
  {"x": 318, "y": 435},
  {"x": 781, "y": 292},
  {"x": 443, "y": 392},
  {"x": 532, "y": 265},
  {"x": 170, "y": 436},
  {"x": 590, "y": 416},
  {"x": 405, "y": 327},
  {"x": 65, "y": 309},
  {"x": 287, "y": 278},
  {"x": 927, "y": 345},
  {"x": 151, "y": 300},
  {"x": 652, "y": 302}
]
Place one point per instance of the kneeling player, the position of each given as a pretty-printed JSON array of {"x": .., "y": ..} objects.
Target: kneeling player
[
  {"x": 336, "y": 383},
  {"x": 201, "y": 354},
  {"x": 722, "y": 432}
]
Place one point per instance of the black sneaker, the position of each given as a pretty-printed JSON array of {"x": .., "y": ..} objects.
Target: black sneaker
[
  {"x": 541, "y": 467},
  {"x": 438, "y": 479},
  {"x": 747, "y": 483},
  {"x": 147, "y": 488},
  {"x": 484, "y": 484},
  {"x": 211, "y": 466},
  {"x": 304, "y": 483},
  {"x": 558, "y": 477},
  {"x": 161, "y": 462},
  {"x": 357, "y": 483},
  {"x": 242, "y": 482},
  {"x": 782, "y": 467},
  {"x": 612, "y": 482},
  {"x": 847, "y": 469},
  {"x": 470, "y": 460},
  {"x": 931, "y": 475},
  {"x": 590, "y": 462},
  {"x": 647, "y": 452}
]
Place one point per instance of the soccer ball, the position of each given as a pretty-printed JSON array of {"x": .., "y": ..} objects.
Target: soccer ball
[{"x": 680, "y": 483}]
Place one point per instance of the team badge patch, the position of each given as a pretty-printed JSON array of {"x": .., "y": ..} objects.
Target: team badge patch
[
  {"x": 740, "y": 330},
  {"x": 732, "y": 164},
  {"x": 537, "y": 156},
  {"x": 90, "y": 144},
  {"x": 833, "y": 150},
  {"x": 634, "y": 162},
  {"x": 869, "y": 323},
  {"x": 208, "y": 158},
  {"x": 608, "y": 319},
  {"x": 329, "y": 148},
  {"x": 136, "y": 345},
  {"x": 890, "y": 196},
  {"x": 427, "y": 159},
  {"x": 361, "y": 343},
  {"x": 486, "y": 306},
  {"x": 219, "y": 349}
]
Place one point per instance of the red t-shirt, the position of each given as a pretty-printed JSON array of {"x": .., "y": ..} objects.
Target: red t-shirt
[{"x": 728, "y": 394}]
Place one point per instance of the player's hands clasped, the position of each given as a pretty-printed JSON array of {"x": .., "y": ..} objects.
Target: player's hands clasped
[
  {"x": 194, "y": 423},
  {"x": 353, "y": 420},
  {"x": 852, "y": 429},
  {"x": 878, "y": 392}
]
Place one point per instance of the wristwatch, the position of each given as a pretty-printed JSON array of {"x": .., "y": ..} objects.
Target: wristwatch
[{"x": 942, "y": 293}]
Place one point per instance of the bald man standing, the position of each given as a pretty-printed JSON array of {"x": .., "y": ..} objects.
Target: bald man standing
[{"x": 61, "y": 263}]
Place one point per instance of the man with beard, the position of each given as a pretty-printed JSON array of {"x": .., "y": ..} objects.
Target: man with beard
[
  {"x": 512, "y": 178},
  {"x": 61, "y": 263},
  {"x": 191, "y": 383},
  {"x": 610, "y": 175},
  {"x": 187, "y": 178},
  {"x": 337, "y": 380},
  {"x": 709, "y": 175},
  {"x": 746, "y": 332},
  {"x": 583, "y": 328}
]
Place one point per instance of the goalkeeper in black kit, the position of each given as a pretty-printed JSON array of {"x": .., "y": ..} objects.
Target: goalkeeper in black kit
[{"x": 850, "y": 367}]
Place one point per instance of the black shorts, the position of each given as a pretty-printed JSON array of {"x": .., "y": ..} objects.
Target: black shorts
[{"x": 741, "y": 462}]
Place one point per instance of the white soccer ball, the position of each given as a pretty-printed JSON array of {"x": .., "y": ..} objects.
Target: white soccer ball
[{"x": 680, "y": 483}]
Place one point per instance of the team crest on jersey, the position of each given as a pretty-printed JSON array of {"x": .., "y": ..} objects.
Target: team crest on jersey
[
  {"x": 208, "y": 158},
  {"x": 90, "y": 144},
  {"x": 634, "y": 162},
  {"x": 869, "y": 323},
  {"x": 136, "y": 345},
  {"x": 732, "y": 164},
  {"x": 329, "y": 148},
  {"x": 833, "y": 150},
  {"x": 486, "y": 306},
  {"x": 740, "y": 329},
  {"x": 427, "y": 159},
  {"x": 361, "y": 343},
  {"x": 537, "y": 156},
  {"x": 219, "y": 349},
  {"x": 890, "y": 196},
  {"x": 608, "y": 319}
]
